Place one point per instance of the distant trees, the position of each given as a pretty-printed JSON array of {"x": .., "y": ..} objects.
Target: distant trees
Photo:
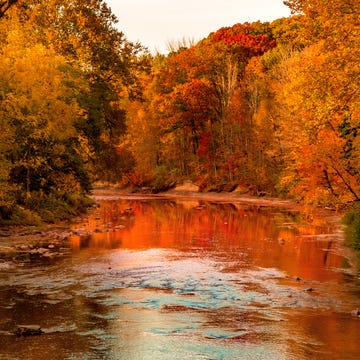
[
  {"x": 196, "y": 95},
  {"x": 271, "y": 107}
]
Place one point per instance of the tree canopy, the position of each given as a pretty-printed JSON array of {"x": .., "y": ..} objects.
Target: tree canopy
[{"x": 261, "y": 107}]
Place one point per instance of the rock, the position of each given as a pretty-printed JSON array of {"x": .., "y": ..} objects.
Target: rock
[
  {"x": 5, "y": 265},
  {"x": 28, "y": 330},
  {"x": 200, "y": 207},
  {"x": 309, "y": 289},
  {"x": 39, "y": 251},
  {"x": 356, "y": 313},
  {"x": 145, "y": 190},
  {"x": 187, "y": 186},
  {"x": 119, "y": 227},
  {"x": 261, "y": 193},
  {"x": 7, "y": 250},
  {"x": 62, "y": 236},
  {"x": 242, "y": 189},
  {"x": 50, "y": 254}
]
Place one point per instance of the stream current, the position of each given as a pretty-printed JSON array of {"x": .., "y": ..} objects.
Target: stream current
[{"x": 156, "y": 278}]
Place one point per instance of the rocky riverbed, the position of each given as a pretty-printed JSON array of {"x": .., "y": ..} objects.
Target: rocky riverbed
[{"x": 22, "y": 244}]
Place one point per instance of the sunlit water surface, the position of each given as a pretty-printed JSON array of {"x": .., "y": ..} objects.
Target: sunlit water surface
[{"x": 155, "y": 279}]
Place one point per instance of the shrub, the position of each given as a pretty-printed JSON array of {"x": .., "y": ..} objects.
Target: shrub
[
  {"x": 53, "y": 207},
  {"x": 21, "y": 216},
  {"x": 352, "y": 222},
  {"x": 164, "y": 180}
]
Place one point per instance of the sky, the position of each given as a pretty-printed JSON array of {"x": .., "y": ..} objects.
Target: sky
[{"x": 155, "y": 23}]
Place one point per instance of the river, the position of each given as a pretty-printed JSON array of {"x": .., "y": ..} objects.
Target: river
[{"x": 161, "y": 278}]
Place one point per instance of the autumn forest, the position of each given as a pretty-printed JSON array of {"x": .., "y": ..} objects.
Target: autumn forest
[{"x": 263, "y": 108}]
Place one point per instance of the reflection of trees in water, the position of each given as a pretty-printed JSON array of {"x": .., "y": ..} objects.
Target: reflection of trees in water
[{"x": 257, "y": 235}]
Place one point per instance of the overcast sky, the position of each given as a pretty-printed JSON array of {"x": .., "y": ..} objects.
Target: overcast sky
[{"x": 156, "y": 22}]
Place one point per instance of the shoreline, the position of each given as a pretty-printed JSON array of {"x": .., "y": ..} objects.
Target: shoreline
[{"x": 100, "y": 192}]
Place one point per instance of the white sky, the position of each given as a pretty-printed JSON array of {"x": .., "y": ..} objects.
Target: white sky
[{"x": 156, "y": 22}]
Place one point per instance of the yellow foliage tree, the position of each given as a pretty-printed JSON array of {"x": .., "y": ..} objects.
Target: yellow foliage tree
[{"x": 320, "y": 92}]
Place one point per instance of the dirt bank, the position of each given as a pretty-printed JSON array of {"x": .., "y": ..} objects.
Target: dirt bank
[{"x": 188, "y": 191}]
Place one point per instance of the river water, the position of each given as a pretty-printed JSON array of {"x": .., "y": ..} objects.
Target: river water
[{"x": 156, "y": 278}]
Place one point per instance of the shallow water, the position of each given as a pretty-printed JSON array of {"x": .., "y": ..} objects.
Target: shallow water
[{"x": 151, "y": 278}]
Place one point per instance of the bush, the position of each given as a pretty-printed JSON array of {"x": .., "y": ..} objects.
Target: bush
[
  {"x": 164, "y": 180},
  {"x": 53, "y": 207},
  {"x": 352, "y": 222},
  {"x": 21, "y": 216}
]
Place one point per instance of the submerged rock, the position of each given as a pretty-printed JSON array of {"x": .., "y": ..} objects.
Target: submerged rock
[
  {"x": 28, "y": 330},
  {"x": 309, "y": 289},
  {"x": 5, "y": 265}
]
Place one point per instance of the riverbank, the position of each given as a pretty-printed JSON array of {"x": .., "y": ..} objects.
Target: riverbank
[
  {"x": 12, "y": 235},
  {"x": 22, "y": 244},
  {"x": 189, "y": 191}
]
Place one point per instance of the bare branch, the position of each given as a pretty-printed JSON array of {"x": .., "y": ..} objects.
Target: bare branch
[{"x": 5, "y": 6}]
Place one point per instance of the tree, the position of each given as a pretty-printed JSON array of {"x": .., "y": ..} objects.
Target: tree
[
  {"x": 65, "y": 72},
  {"x": 193, "y": 93},
  {"x": 192, "y": 105},
  {"x": 84, "y": 33}
]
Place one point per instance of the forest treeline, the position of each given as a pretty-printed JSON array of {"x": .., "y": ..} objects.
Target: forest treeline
[{"x": 265, "y": 108}]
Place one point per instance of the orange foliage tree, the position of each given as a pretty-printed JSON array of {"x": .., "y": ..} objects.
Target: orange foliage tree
[
  {"x": 197, "y": 90},
  {"x": 274, "y": 106}
]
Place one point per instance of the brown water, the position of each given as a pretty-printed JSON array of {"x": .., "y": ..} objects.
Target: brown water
[{"x": 181, "y": 279}]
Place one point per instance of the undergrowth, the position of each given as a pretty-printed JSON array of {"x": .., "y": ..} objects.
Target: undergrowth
[{"x": 352, "y": 222}]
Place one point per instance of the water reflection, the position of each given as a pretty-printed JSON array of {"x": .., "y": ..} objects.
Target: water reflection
[
  {"x": 238, "y": 234},
  {"x": 164, "y": 279}
]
